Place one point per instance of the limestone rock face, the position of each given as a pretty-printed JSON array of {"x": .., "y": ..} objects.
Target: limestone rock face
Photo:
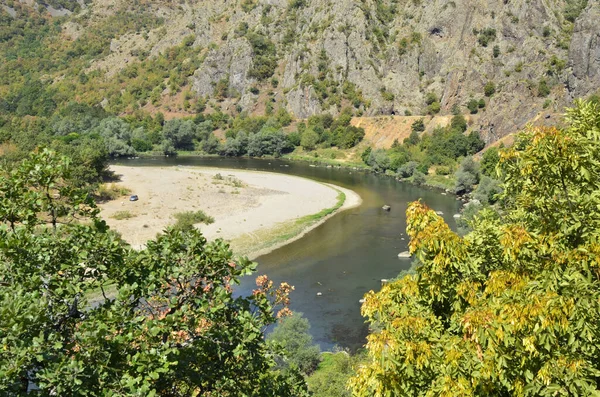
[
  {"x": 230, "y": 62},
  {"x": 584, "y": 52}
]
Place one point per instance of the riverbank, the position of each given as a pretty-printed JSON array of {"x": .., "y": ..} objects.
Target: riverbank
[{"x": 256, "y": 212}]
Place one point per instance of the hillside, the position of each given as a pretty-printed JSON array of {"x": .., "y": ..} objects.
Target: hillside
[{"x": 522, "y": 59}]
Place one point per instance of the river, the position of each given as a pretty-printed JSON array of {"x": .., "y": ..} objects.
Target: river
[{"x": 346, "y": 256}]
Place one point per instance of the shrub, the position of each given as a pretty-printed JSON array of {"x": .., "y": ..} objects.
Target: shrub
[
  {"x": 122, "y": 215},
  {"x": 430, "y": 98},
  {"x": 111, "y": 192},
  {"x": 418, "y": 126},
  {"x": 543, "y": 89},
  {"x": 419, "y": 178},
  {"x": 488, "y": 191},
  {"x": 186, "y": 220},
  {"x": 486, "y": 36},
  {"x": 473, "y": 106},
  {"x": 407, "y": 170},
  {"x": 309, "y": 139},
  {"x": 489, "y": 89}
]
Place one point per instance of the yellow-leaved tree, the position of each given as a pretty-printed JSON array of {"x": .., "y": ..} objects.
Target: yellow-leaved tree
[{"x": 512, "y": 308}]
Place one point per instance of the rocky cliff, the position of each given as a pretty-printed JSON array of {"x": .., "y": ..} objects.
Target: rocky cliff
[{"x": 526, "y": 59}]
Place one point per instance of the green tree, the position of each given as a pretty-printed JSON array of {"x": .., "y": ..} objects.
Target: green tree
[
  {"x": 172, "y": 327},
  {"x": 292, "y": 334},
  {"x": 309, "y": 139},
  {"x": 459, "y": 123},
  {"x": 513, "y": 307},
  {"x": 489, "y": 161}
]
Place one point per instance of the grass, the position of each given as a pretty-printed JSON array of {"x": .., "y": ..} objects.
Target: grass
[
  {"x": 108, "y": 192},
  {"x": 325, "y": 161},
  {"x": 269, "y": 237},
  {"x": 440, "y": 181},
  {"x": 121, "y": 215},
  {"x": 219, "y": 179},
  {"x": 187, "y": 219}
]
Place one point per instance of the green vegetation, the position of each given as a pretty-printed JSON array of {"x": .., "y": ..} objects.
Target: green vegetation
[
  {"x": 292, "y": 335},
  {"x": 510, "y": 308},
  {"x": 172, "y": 327},
  {"x": 333, "y": 373},
  {"x": 122, "y": 215},
  {"x": 441, "y": 150},
  {"x": 111, "y": 191},
  {"x": 489, "y": 89},
  {"x": 485, "y": 36},
  {"x": 186, "y": 220}
]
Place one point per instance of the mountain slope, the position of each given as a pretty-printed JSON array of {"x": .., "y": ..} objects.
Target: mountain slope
[{"x": 522, "y": 59}]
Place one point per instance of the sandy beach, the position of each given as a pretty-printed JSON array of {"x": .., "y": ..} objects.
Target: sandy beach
[{"x": 255, "y": 211}]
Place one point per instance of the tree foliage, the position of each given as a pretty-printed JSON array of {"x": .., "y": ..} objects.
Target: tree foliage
[
  {"x": 171, "y": 327},
  {"x": 292, "y": 334},
  {"x": 512, "y": 308}
]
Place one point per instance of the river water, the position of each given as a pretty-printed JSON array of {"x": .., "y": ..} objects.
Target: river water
[{"x": 346, "y": 256}]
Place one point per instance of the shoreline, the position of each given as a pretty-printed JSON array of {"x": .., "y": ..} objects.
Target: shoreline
[
  {"x": 255, "y": 212},
  {"x": 346, "y": 205}
]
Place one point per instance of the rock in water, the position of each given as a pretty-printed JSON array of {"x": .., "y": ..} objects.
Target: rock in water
[
  {"x": 404, "y": 254},
  {"x": 386, "y": 208}
]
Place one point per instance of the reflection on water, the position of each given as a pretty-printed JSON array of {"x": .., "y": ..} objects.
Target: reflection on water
[{"x": 343, "y": 258}]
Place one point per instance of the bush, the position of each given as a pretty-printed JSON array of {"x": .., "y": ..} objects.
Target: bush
[
  {"x": 489, "y": 89},
  {"x": 111, "y": 192},
  {"x": 122, "y": 215},
  {"x": 473, "y": 106},
  {"x": 419, "y": 178},
  {"x": 408, "y": 169},
  {"x": 488, "y": 190},
  {"x": 486, "y": 36},
  {"x": 331, "y": 377},
  {"x": 379, "y": 160},
  {"x": 418, "y": 126},
  {"x": 467, "y": 176},
  {"x": 434, "y": 108},
  {"x": 543, "y": 89},
  {"x": 186, "y": 220}
]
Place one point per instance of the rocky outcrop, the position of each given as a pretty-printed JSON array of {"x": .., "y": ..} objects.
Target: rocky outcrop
[{"x": 584, "y": 53}]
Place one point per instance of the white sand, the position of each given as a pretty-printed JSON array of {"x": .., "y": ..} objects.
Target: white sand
[{"x": 264, "y": 201}]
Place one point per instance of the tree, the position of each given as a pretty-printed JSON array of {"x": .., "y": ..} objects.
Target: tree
[
  {"x": 489, "y": 161},
  {"x": 117, "y": 136},
  {"x": 512, "y": 307},
  {"x": 309, "y": 139},
  {"x": 292, "y": 334},
  {"x": 459, "y": 123},
  {"x": 172, "y": 326},
  {"x": 467, "y": 176},
  {"x": 180, "y": 133}
]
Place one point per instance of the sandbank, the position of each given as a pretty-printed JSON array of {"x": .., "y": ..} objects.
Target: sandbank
[{"x": 256, "y": 212}]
